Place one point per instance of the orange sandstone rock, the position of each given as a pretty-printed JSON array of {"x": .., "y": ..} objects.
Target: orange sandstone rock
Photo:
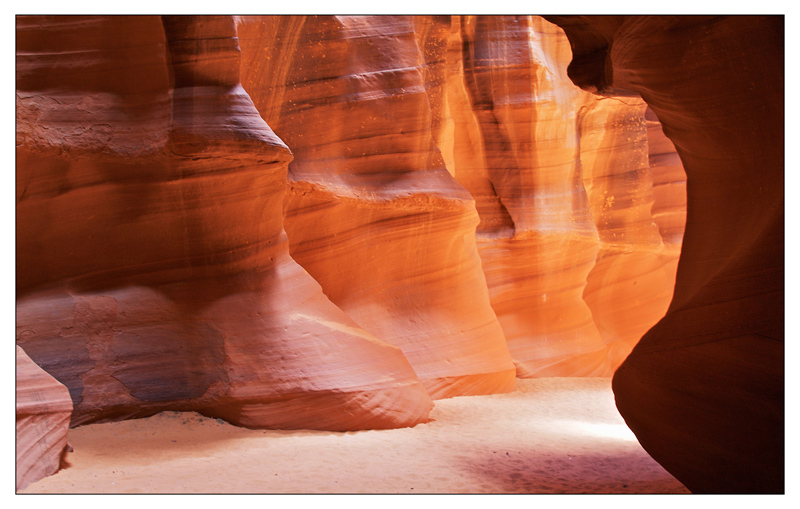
[
  {"x": 563, "y": 187},
  {"x": 630, "y": 285},
  {"x": 461, "y": 213},
  {"x": 153, "y": 271},
  {"x": 167, "y": 191},
  {"x": 371, "y": 211},
  {"x": 43, "y": 411},
  {"x": 538, "y": 242},
  {"x": 669, "y": 182}
]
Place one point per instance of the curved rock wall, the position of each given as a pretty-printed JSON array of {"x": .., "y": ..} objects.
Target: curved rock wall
[
  {"x": 153, "y": 271},
  {"x": 703, "y": 389},
  {"x": 371, "y": 212},
  {"x": 669, "y": 183},
  {"x": 575, "y": 266},
  {"x": 43, "y": 409},
  {"x": 526, "y": 169},
  {"x": 630, "y": 286},
  {"x": 458, "y": 213}
]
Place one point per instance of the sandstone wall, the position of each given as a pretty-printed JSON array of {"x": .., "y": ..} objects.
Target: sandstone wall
[
  {"x": 43, "y": 408},
  {"x": 371, "y": 211},
  {"x": 324, "y": 221},
  {"x": 574, "y": 262},
  {"x": 704, "y": 389},
  {"x": 153, "y": 270}
]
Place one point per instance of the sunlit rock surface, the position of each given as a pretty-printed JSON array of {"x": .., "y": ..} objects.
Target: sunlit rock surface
[
  {"x": 371, "y": 211},
  {"x": 630, "y": 285},
  {"x": 43, "y": 412},
  {"x": 669, "y": 183},
  {"x": 574, "y": 262},
  {"x": 325, "y": 222},
  {"x": 153, "y": 272},
  {"x": 704, "y": 390}
]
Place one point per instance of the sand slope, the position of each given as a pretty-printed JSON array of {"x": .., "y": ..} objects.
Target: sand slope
[{"x": 554, "y": 435}]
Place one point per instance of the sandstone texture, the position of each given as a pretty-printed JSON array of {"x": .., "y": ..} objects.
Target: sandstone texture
[
  {"x": 153, "y": 269},
  {"x": 327, "y": 222},
  {"x": 575, "y": 265},
  {"x": 704, "y": 389},
  {"x": 371, "y": 211},
  {"x": 514, "y": 131},
  {"x": 43, "y": 412}
]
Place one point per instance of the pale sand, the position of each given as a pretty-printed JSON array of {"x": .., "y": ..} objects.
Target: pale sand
[{"x": 554, "y": 435}]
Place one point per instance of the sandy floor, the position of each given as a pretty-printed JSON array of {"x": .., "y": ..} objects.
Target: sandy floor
[{"x": 554, "y": 435}]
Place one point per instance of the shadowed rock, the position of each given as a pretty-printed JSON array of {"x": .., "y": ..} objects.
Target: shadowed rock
[{"x": 703, "y": 389}]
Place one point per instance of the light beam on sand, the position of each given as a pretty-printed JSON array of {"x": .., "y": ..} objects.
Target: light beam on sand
[
  {"x": 599, "y": 429},
  {"x": 552, "y": 435}
]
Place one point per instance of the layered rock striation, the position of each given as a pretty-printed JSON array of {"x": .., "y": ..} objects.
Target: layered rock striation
[
  {"x": 630, "y": 285},
  {"x": 43, "y": 409},
  {"x": 574, "y": 262},
  {"x": 326, "y": 222},
  {"x": 704, "y": 388},
  {"x": 371, "y": 211},
  {"x": 153, "y": 270}
]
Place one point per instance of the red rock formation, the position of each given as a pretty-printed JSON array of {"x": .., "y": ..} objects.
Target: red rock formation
[
  {"x": 455, "y": 202},
  {"x": 669, "y": 183},
  {"x": 153, "y": 271},
  {"x": 43, "y": 412},
  {"x": 371, "y": 211},
  {"x": 703, "y": 389},
  {"x": 630, "y": 285},
  {"x": 176, "y": 157},
  {"x": 528, "y": 144},
  {"x": 536, "y": 239}
]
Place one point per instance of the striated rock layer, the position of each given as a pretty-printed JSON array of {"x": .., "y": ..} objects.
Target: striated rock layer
[
  {"x": 574, "y": 262},
  {"x": 669, "y": 183},
  {"x": 43, "y": 413},
  {"x": 703, "y": 389},
  {"x": 371, "y": 211},
  {"x": 326, "y": 221},
  {"x": 630, "y": 286},
  {"x": 537, "y": 240},
  {"x": 462, "y": 212},
  {"x": 153, "y": 271},
  {"x": 373, "y": 216}
]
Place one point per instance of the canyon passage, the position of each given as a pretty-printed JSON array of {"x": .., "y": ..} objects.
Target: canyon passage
[{"x": 339, "y": 223}]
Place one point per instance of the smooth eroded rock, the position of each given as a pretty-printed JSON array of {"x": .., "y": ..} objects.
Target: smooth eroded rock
[
  {"x": 574, "y": 262},
  {"x": 371, "y": 211},
  {"x": 43, "y": 411},
  {"x": 703, "y": 389},
  {"x": 153, "y": 270}
]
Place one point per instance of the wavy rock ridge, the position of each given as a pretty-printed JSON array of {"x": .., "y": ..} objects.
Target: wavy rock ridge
[
  {"x": 574, "y": 262},
  {"x": 177, "y": 290},
  {"x": 43, "y": 408},
  {"x": 704, "y": 388},
  {"x": 326, "y": 221},
  {"x": 371, "y": 211}
]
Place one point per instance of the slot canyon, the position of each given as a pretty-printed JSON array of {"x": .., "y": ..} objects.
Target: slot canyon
[{"x": 341, "y": 223}]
